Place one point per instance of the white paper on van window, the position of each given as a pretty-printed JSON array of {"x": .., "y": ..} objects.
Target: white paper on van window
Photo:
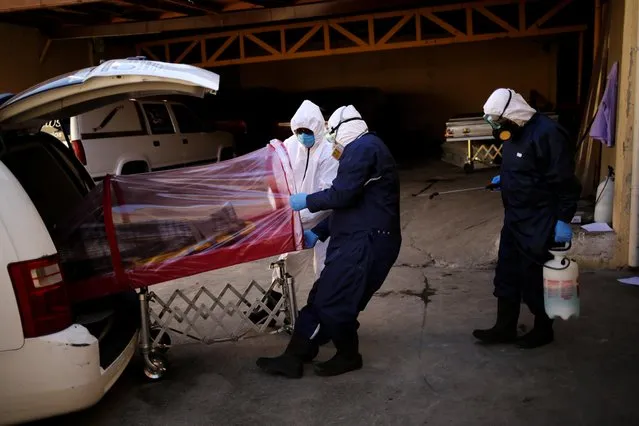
[
  {"x": 597, "y": 227},
  {"x": 629, "y": 281}
]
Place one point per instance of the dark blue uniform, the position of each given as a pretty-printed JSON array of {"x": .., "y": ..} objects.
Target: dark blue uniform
[
  {"x": 365, "y": 233},
  {"x": 539, "y": 188}
]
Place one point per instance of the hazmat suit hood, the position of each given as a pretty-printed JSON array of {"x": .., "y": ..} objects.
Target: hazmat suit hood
[
  {"x": 309, "y": 116},
  {"x": 347, "y": 125},
  {"x": 509, "y": 104}
]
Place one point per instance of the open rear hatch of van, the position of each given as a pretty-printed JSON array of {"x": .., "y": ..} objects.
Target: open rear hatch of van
[
  {"x": 81, "y": 91},
  {"x": 56, "y": 182}
]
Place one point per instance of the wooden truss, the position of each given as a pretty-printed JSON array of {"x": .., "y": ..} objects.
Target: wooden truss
[{"x": 428, "y": 26}]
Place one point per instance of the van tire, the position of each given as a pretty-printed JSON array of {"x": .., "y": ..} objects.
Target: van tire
[
  {"x": 134, "y": 167},
  {"x": 227, "y": 153}
]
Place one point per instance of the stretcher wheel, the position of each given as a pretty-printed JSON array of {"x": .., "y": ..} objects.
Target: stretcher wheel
[
  {"x": 469, "y": 168},
  {"x": 287, "y": 328},
  {"x": 164, "y": 344},
  {"x": 158, "y": 366}
]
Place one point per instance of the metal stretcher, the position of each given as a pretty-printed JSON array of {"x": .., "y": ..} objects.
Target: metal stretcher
[
  {"x": 481, "y": 146},
  {"x": 184, "y": 315}
]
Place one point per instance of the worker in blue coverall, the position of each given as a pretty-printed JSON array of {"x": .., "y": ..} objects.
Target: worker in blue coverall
[
  {"x": 540, "y": 193},
  {"x": 365, "y": 238}
]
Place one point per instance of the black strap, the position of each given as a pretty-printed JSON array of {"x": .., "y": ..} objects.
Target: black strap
[{"x": 510, "y": 97}]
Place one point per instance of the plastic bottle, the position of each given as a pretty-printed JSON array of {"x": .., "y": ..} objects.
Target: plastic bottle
[
  {"x": 561, "y": 285},
  {"x": 605, "y": 196}
]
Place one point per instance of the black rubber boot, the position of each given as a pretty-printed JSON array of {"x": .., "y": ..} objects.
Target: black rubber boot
[
  {"x": 271, "y": 299},
  {"x": 541, "y": 334},
  {"x": 345, "y": 360},
  {"x": 291, "y": 363},
  {"x": 505, "y": 329}
]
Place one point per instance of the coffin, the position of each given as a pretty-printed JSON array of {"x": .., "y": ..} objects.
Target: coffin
[{"x": 139, "y": 230}]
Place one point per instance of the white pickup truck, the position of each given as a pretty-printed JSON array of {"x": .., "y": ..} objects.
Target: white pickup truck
[{"x": 137, "y": 136}]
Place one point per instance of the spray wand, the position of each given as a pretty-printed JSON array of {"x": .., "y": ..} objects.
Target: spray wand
[{"x": 491, "y": 187}]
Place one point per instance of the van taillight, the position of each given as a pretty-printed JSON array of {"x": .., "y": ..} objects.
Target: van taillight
[
  {"x": 78, "y": 150},
  {"x": 42, "y": 296}
]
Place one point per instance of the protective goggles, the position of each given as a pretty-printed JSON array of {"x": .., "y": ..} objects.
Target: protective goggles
[{"x": 493, "y": 121}]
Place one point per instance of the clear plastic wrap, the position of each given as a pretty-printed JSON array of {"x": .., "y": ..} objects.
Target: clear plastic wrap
[{"x": 138, "y": 230}]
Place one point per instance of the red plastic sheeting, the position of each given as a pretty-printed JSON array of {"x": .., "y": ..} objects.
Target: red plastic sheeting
[{"x": 138, "y": 230}]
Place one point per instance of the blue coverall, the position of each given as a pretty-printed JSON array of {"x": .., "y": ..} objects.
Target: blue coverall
[
  {"x": 538, "y": 187},
  {"x": 365, "y": 233}
]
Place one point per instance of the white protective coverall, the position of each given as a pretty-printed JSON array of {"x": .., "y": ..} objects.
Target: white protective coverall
[{"x": 314, "y": 170}]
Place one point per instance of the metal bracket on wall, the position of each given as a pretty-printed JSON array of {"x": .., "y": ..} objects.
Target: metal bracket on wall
[{"x": 427, "y": 26}]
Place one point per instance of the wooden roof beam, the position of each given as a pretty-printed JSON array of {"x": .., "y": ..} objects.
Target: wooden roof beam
[
  {"x": 69, "y": 11},
  {"x": 132, "y": 4},
  {"x": 7, "y": 6},
  {"x": 192, "y": 5},
  {"x": 248, "y": 17},
  {"x": 272, "y": 3}
]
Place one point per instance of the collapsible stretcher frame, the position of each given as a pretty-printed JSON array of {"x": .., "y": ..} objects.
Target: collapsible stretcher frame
[
  {"x": 161, "y": 316},
  {"x": 480, "y": 149}
]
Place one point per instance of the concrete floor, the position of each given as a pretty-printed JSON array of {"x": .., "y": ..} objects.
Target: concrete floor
[{"x": 422, "y": 366}]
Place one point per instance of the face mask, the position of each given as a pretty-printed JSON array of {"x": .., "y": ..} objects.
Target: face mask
[
  {"x": 502, "y": 130},
  {"x": 505, "y": 131},
  {"x": 307, "y": 140}
]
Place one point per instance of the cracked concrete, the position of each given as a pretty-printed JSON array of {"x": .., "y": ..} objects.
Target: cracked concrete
[
  {"x": 456, "y": 230},
  {"x": 421, "y": 365}
]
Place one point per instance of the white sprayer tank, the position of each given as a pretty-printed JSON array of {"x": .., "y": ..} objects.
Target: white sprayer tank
[
  {"x": 605, "y": 198},
  {"x": 561, "y": 285}
]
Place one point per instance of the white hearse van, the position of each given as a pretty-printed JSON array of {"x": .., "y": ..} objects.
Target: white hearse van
[
  {"x": 137, "y": 136},
  {"x": 57, "y": 355}
]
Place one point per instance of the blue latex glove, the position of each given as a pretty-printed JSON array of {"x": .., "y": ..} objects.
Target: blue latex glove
[
  {"x": 298, "y": 201},
  {"x": 310, "y": 239},
  {"x": 495, "y": 184},
  {"x": 563, "y": 232}
]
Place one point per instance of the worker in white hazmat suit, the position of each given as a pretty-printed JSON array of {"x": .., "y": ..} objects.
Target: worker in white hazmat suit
[{"x": 314, "y": 169}]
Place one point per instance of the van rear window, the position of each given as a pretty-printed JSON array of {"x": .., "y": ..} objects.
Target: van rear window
[{"x": 46, "y": 175}]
